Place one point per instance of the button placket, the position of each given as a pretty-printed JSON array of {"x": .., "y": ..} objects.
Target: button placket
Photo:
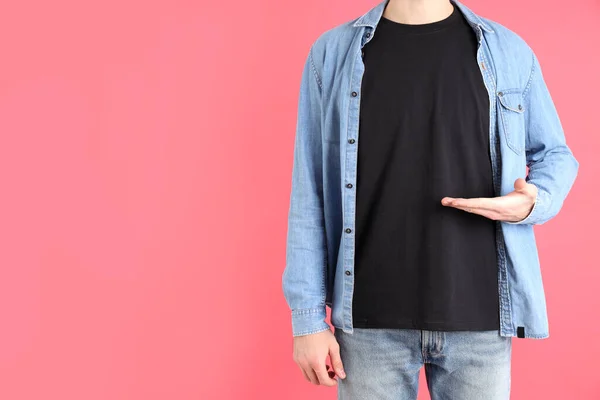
[{"x": 350, "y": 197}]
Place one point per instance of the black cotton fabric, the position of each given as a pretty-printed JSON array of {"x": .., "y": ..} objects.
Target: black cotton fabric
[{"x": 424, "y": 135}]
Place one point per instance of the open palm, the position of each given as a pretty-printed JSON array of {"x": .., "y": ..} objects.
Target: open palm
[{"x": 514, "y": 206}]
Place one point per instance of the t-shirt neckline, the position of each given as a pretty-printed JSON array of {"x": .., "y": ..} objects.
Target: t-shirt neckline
[{"x": 429, "y": 27}]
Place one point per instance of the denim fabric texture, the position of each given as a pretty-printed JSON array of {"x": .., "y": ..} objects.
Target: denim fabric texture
[
  {"x": 525, "y": 131},
  {"x": 385, "y": 364}
]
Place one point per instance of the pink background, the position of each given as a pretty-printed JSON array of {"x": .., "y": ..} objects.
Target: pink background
[{"x": 145, "y": 163}]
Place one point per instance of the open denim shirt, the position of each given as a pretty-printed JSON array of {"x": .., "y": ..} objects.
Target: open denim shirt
[{"x": 525, "y": 130}]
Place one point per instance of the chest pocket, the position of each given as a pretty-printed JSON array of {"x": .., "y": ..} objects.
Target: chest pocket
[{"x": 512, "y": 118}]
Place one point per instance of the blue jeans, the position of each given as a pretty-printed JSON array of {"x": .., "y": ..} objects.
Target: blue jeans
[{"x": 459, "y": 365}]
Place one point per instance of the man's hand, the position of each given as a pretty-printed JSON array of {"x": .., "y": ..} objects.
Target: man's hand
[
  {"x": 512, "y": 207},
  {"x": 310, "y": 353}
]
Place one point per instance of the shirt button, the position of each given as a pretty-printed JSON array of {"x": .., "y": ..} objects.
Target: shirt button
[
  {"x": 500, "y": 93},
  {"x": 348, "y": 230},
  {"x": 351, "y": 141},
  {"x": 348, "y": 272},
  {"x": 349, "y": 185},
  {"x": 520, "y": 107},
  {"x": 368, "y": 34},
  {"x": 354, "y": 94}
]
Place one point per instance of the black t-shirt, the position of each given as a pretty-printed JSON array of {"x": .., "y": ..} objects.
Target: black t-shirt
[{"x": 424, "y": 135}]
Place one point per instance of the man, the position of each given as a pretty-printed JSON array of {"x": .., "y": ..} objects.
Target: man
[{"x": 419, "y": 235}]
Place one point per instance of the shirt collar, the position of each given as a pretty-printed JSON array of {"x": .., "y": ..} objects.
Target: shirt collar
[{"x": 371, "y": 17}]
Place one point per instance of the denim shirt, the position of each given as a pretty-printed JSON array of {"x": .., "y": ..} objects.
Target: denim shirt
[{"x": 525, "y": 131}]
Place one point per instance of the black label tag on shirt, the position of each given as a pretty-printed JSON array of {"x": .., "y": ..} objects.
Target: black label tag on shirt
[{"x": 520, "y": 331}]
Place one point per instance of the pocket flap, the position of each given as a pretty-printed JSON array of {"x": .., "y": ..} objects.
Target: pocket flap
[{"x": 512, "y": 101}]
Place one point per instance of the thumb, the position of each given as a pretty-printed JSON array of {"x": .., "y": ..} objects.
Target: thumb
[
  {"x": 336, "y": 361},
  {"x": 520, "y": 184}
]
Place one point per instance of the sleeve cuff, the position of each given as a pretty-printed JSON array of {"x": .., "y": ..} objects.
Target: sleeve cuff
[
  {"x": 537, "y": 213},
  {"x": 309, "y": 320}
]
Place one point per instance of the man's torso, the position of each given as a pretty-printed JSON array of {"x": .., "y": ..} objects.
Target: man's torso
[{"x": 424, "y": 134}]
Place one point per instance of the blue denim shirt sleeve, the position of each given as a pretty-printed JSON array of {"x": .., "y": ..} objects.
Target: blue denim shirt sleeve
[
  {"x": 552, "y": 166},
  {"x": 304, "y": 276}
]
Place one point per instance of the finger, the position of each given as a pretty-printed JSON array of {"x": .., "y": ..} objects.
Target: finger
[
  {"x": 480, "y": 211},
  {"x": 486, "y": 203},
  {"x": 336, "y": 361},
  {"x": 312, "y": 377},
  {"x": 322, "y": 375},
  {"x": 520, "y": 184},
  {"x": 305, "y": 374}
]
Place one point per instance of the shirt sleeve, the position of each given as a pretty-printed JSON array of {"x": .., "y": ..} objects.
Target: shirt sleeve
[
  {"x": 552, "y": 166},
  {"x": 304, "y": 276}
]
